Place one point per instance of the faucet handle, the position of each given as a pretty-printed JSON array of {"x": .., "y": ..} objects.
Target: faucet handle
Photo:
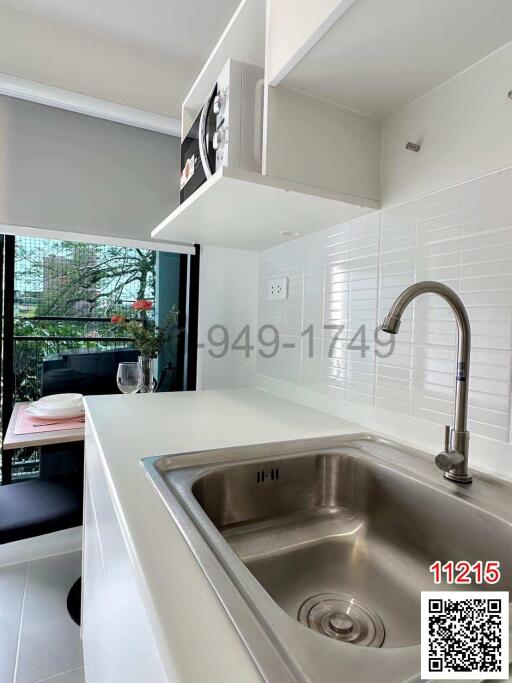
[
  {"x": 447, "y": 460},
  {"x": 447, "y": 433}
]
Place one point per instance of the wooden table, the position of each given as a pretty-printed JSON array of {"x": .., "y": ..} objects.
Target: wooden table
[{"x": 42, "y": 438}]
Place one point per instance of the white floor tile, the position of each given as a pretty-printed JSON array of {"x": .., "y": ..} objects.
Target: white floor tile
[
  {"x": 12, "y": 586},
  {"x": 9, "y": 629},
  {"x": 49, "y": 640},
  {"x": 12, "y": 583},
  {"x": 75, "y": 676}
]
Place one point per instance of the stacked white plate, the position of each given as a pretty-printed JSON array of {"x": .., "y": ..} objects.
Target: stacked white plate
[{"x": 57, "y": 407}]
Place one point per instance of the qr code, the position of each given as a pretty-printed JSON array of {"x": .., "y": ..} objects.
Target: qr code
[{"x": 464, "y": 634}]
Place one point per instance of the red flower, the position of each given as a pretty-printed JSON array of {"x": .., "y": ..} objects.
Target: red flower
[
  {"x": 142, "y": 305},
  {"x": 116, "y": 319}
]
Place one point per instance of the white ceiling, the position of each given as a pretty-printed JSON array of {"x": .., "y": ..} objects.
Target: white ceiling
[
  {"x": 186, "y": 29},
  {"x": 142, "y": 54}
]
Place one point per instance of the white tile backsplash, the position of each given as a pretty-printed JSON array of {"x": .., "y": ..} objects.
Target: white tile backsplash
[{"x": 349, "y": 275}]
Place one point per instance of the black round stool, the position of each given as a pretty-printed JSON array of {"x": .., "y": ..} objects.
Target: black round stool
[{"x": 74, "y": 601}]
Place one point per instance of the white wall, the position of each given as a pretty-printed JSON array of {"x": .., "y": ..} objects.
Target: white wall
[
  {"x": 463, "y": 126},
  {"x": 446, "y": 215},
  {"x": 227, "y": 296},
  {"x": 65, "y": 171},
  {"x": 349, "y": 275}
]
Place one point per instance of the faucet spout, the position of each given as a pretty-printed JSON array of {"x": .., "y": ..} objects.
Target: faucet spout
[{"x": 454, "y": 458}]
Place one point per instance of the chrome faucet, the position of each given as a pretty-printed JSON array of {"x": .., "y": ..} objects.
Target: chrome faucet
[{"x": 453, "y": 460}]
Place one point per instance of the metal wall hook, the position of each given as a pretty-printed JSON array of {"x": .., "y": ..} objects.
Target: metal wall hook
[{"x": 413, "y": 147}]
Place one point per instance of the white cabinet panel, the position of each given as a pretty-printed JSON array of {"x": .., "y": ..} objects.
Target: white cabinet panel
[
  {"x": 322, "y": 145},
  {"x": 118, "y": 643},
  {"x": 293, "y": 27}
]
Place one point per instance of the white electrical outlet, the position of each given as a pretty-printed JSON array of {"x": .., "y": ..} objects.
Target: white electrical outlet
[{"x": 277, "y": 290}]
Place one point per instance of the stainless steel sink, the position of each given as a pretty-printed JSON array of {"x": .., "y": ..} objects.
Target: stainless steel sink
[{"x": 319, "y": 549}]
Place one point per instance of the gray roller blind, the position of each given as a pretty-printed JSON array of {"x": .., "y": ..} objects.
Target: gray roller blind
[{"x": 72, "y": 173}]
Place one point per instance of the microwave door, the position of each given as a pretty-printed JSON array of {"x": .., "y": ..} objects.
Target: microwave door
[
  {"x": 198, "y": 158},
  {"x": 192, "y": 175},
  {"x": 207, "y": 127}
]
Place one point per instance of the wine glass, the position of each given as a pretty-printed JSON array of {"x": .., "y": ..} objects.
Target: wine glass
[{"x": 129, "y": 377}]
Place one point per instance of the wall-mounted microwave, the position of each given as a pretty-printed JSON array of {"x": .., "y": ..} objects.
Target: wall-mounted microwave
[{"x": 228, "y": 129}]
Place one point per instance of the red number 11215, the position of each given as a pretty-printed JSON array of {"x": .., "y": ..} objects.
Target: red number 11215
[{"x": 463, "y": 572}]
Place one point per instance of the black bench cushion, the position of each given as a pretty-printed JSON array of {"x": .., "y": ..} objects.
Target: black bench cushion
[{"x": 40, "y": 506}]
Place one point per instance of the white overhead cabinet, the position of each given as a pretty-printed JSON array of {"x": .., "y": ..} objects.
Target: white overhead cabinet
[
  {"x": 434, "y": 74},
  {"x": 253, "y": 211},
  {"x": 334, "y": 74},
  {"x": 376, "y": 57},
  {"x": 302, "y": 186}
]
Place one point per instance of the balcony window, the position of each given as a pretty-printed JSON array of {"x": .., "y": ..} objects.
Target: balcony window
[{"x": 60, "y": 298}]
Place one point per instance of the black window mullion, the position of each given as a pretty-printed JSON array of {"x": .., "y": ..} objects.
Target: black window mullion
[{"x": 7, "y": 348}]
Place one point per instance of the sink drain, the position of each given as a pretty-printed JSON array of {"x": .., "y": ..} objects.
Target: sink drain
[{"x": 344, "y": 618}]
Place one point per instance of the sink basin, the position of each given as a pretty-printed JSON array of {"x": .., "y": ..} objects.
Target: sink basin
[{"x": 319, "y": 549}]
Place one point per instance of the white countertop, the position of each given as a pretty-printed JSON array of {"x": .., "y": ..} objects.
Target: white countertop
[{"x": 180, "y": 602}]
